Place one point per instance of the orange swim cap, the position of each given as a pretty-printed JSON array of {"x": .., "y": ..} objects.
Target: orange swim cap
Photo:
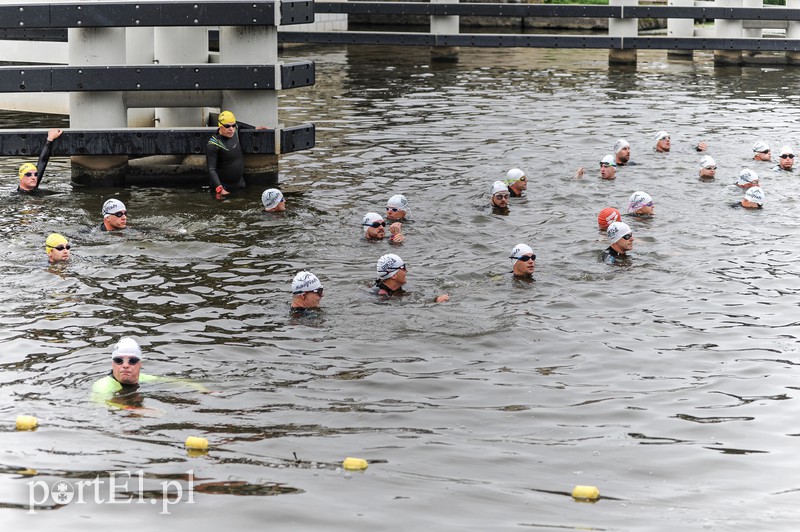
[{"x": 607, "y": 216}]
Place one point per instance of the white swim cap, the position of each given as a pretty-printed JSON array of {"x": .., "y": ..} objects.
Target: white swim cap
[
  {"x": 305, "y": 282},
  {"x": 513, "y": 176},
  {"x": 661, "y": 135},
  {"x": 126, "y": 347},
  {"x": 111, "y": 206},
  {"x": 638, "y": 200},
  {"x": 760, "y": 147},
  {"x": 616, "y": 231},
  {"x": 271, "y": 197},
  {"x": 786, "y": 150},
  {"x": 707, "y": 160},
  {"x": 369, "y": 219},
  {"x": 398, "y": 201},
  {"x": 520, "y": 250},
  {"x": 388, "y": 266},
  {"x": 747, "y": 176},
  {"x": 620, "y": 144},
  {"x": 609, "y": 159},
  {"x": 499, "y": 186},
  {"x": 755, "y": 194}
]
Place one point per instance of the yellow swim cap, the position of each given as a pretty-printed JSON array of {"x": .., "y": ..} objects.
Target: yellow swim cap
[
  {"x": 54, "y": 240},
  {"x": 226, "y": 117},
  {"x": 25, "y": 168}
]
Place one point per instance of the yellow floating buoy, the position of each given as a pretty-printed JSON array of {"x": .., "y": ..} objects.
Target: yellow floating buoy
[
  {"x": 355, "y": 464},
  {"x": 27, "y": 422},
  {"x": 193, "y": 442},
  {"x": 586, "y": 493}
]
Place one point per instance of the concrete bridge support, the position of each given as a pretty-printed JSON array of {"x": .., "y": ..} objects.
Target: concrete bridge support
[
  {"x": 245, "y": 45},
  {"x": 728, "y": 29},
  {"x": 97, "y": 110},
  {"x": 445, "y": 25},
  {"x": 627, "y": 27}
]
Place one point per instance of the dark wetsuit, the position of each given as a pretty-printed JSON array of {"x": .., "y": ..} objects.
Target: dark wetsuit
[
  {"x": 225, "y": 161},
  {"x": 382, "y": 290},
  {"x": 44, "y": 158},
  {"x": 612, "y": 256},
  {"x": 514, "y": 194}
]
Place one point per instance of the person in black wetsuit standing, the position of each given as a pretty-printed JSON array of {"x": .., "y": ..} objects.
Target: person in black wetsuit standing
[
  {"x": 30, "y": 175},
  {"x": 224, "y": 156}
]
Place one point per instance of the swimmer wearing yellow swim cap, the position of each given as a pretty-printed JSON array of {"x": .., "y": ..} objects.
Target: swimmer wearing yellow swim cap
[{"x": 57, "y": 248}]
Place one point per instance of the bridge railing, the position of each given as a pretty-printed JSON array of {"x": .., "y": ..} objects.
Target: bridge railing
[{"x": 731, "y": 19}]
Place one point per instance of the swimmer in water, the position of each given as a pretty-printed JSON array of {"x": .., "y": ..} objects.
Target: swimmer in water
[
  {"x": 57, "y": 247},
  {"x": 608, "y": 216},
  {"x": 375, "y": 228},
  {"x": 125, "y": 377},
  {"x": 517, "y": 182},
  {"x": 391, "y": 270},
  {"x": 524, "y": 261},
  {"x": 115, "y": 216},
  {"x": 761, "y": 152},
  {"x": 397, "y": 208},
  {"x": 641, "y": 204},
  {"x": 708, "y": 168},
  {"x": 306, "y": 293},
  {"x": 754, "y": 198},
  {"x": 747, "y": 179},
  {"x": 30, "y": 175},
  {"x": 785, "y": 161},
  {"x": 273, "y": 200},
  {"x": 664, "y": 143},
  {"x": 622, "y": 153},
  {"x": 500, "y": 196},
  {"x": 608, "y": 169},
  {"x": 620, "y": 237}
]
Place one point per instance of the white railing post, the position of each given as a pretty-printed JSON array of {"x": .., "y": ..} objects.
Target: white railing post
[
  {"x": 679, "y": 28},
  {"x": 728, "y": 29},
  {"x": 444, "y": 25},
  {"x": 625, "y": 27}
]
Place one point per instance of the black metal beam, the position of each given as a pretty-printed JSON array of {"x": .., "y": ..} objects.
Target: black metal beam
[
  {"x": 154, "y": 77},
  {"x": 557, "y": 10},
  {"x": 150, "y": 141},
  {"x": 540, "y": 41},
  {"x": 146, "y": 14}
]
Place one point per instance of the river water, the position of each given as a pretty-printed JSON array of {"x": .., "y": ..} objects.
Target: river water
[{"x": 667, "y": 383}]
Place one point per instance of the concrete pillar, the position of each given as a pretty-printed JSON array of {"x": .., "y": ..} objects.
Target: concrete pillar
[
  {"x": 680, "y": 27},
  {"x": 728, "y": 29},
  {"x": 793, "y": 32},
  {"x": 444, "y": 25},
  {"x": 752, "y": 33},
  {"x": 627, "y": 27},
  {"x": 180, "y": 46},
  {"x": 97, "y": 110},
  {"x": 254, "y": 45},
  {"x": 139, "y": 51}
]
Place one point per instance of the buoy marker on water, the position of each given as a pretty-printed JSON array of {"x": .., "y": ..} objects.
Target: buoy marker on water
[
  {"x": 355, "y": 464},
  {"x": 27, "y": 422},
  {"x": 194, "y": 442},
  {"x": 586, "y": 493}
]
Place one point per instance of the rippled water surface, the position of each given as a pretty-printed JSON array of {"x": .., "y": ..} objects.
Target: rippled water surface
[{"x": 667, "y": 383}]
